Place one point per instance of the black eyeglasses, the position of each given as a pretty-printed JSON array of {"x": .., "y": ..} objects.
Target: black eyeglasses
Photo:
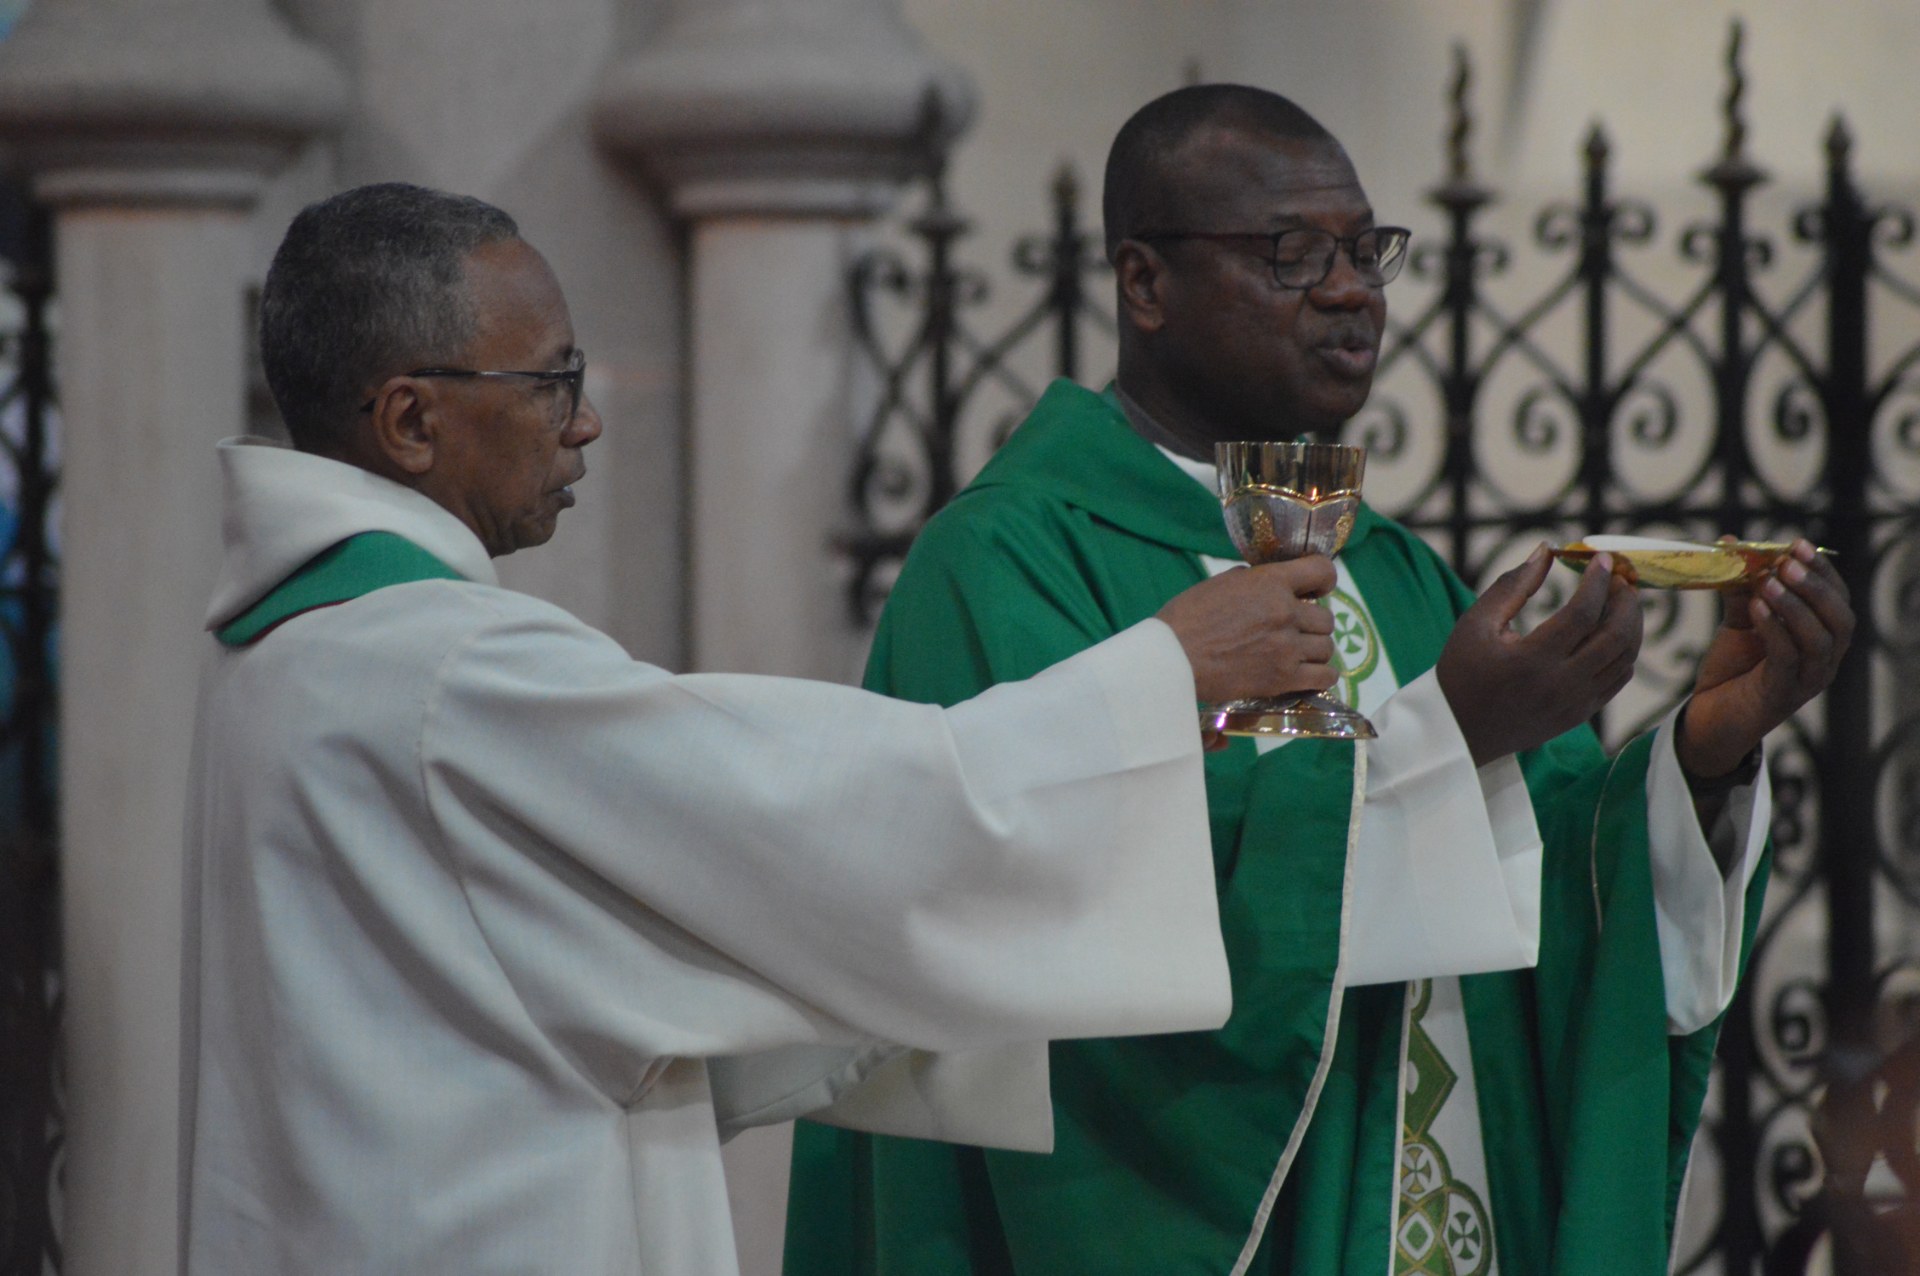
[
  {"x": 572, "y": 376},
  {"x": 1303, "y": 258}
]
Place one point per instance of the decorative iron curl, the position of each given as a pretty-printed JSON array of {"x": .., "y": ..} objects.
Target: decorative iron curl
[
  {"x": 1700, "y": 244},
  {"x": 1552, "y": 596},
  {"x": 1633, "y": 222},
  {"x": 1891, "y": 226},
  {"x": 895, "y": 473},
  {"x": 1381, "y": 428},
  {"x": 1897, "y": 765},
  {"x": 1515, "y": 541},
  {"x": 1888, "y": 226},
  {"x": 1896, "y": 989},
  {"x": 878, "y": 270},
  {"x": 1661, "y": 616},
  {"x": 1628, "y": 221},
  {"x": 1558, "y": 226},
  {"x": 1682, "y": 659},
  {"x": 1902, "y": 405},
  {"x": 1793, "y": 1171},
  {"x": 1906, "y": 615},
  {"x": 1797, "y": 411},
  {"x": 1654, "y": 425},
  {"x": 1797, "y": 1022},
  {"x": 970, "y": 287},
  {"x": 1791, "y": 825},
  {"x": 1429, "y": 262},
  {"x": 1540, "y": 418}
]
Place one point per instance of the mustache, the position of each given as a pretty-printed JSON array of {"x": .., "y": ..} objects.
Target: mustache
[{"x": 1349, "y": 333}]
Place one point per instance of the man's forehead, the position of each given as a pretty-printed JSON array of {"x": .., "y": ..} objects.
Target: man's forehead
[
  {"x": 517, "y": 297},
  {"x": 1225, "y": 170}
]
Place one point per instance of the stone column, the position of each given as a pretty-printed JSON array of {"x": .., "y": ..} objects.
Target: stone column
[
  {"x": 778, "y": 129},
  {"x": 149, "y": 126}
]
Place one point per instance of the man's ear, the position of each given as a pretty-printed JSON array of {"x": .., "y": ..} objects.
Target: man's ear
[
  {"x": 1140, "y": 274},
  {"x": 404, "y": 425}
]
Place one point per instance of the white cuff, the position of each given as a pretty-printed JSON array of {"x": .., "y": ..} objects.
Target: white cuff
[
  {"x": 1446, "y": 874},
  {"x": 997, "y": 1097},
  {"x": 1700, "y": 913}
]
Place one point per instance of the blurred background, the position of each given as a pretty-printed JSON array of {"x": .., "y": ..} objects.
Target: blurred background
[{"x": 822, "y": 254}]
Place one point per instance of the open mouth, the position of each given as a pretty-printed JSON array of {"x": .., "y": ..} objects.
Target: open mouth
[{"x": 1350, "y": 359}]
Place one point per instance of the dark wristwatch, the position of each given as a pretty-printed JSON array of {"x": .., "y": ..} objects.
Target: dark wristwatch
[{"x": 1721, "y": 785}]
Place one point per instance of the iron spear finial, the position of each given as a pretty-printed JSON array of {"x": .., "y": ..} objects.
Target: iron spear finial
[
  {"x": 1736, "y": 93},
  {"x": 1460, "y": 118},
  {"x": 1733, "y": 173}
]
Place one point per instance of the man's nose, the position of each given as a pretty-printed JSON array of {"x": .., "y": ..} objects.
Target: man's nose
[
  {"x": 1343, "y": 288},
  {"x": 585, "y": 426}
]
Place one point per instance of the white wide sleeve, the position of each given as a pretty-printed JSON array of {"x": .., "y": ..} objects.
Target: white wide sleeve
[
  {"x": 714, "y": 865},
  {"x": 1699, "y": 912},
  {"x": 1446, "y": 875}
]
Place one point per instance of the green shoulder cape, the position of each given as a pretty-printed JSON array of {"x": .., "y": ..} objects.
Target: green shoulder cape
[
  {"x": 342, "y": 572},
  {"x": 1170, "y": 1150}
]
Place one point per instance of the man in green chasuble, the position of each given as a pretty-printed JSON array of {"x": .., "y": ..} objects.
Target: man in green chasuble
[{"x": 1478, "y": 965}]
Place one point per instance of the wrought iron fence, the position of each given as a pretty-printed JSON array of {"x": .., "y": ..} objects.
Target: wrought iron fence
[
  {"x": 30, "y": 1101},
  {"x": 1733, "y": 373}
]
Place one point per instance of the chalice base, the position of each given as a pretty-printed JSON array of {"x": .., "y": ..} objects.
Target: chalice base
[{"x": 1310, "y": 716}]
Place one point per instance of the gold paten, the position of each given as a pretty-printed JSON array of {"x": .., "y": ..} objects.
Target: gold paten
[{"x": 1727, "y": 565}]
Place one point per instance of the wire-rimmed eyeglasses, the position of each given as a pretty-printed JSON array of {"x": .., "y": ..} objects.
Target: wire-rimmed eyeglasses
[
  {"x": 1303, "y": 258},
  {"x": 572, "y": 377}
]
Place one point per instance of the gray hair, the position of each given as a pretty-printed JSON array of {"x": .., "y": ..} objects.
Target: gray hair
[{"x": 366, "y": 284}]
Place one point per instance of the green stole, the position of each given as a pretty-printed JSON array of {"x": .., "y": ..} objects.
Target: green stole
[
  {"x": 1166, "y": 1146},
  {"x": 340, "y": 573}
]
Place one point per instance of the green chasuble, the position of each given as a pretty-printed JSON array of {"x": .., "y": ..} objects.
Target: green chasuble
[{"x": 1270, "y": 1145}]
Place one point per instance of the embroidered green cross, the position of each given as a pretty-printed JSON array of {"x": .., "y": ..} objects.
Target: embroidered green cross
[{"x": 1356, "y": 645}]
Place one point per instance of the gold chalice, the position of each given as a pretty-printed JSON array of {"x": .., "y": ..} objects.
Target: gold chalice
[{"x": 1288, "y": 500}]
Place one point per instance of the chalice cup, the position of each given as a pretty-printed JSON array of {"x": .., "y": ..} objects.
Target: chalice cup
[{"x": 1282, "y": 501}]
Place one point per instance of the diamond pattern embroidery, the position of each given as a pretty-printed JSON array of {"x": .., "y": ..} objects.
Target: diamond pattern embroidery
[{"x": 1443, "y": 1225}]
